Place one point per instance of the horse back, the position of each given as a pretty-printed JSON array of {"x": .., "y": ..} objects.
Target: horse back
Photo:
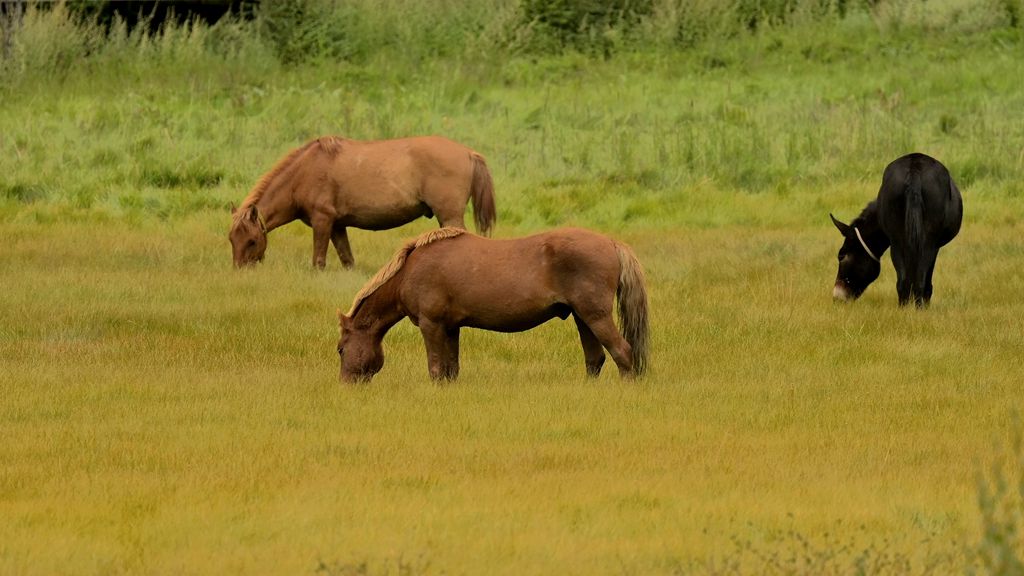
[
  {"x": 918, "y": 190},
  {"x": 422, "y": 156},
  {"x": 514, "y": 283},
  {"x": 382, "y": 183}
]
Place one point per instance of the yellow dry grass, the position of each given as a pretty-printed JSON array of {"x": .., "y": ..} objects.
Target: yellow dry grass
[{"x": 163, "y": 413}]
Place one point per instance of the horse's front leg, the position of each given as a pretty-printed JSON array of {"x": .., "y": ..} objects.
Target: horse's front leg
[
  {"x": 452, "y": 356},
  {"x": 339, "y": 237},
  {"x": 440, "y": 350},
  {"x": 321, "y": 236}
]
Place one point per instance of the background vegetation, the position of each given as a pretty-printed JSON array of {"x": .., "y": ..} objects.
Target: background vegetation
[{"x": 163, "y": 413}]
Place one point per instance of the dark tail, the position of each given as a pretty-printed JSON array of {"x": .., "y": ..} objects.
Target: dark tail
[
  {"x": 914, "y": 217},
  {"x": 632, "y": 297},
  {"x": 482, "y": 193}
]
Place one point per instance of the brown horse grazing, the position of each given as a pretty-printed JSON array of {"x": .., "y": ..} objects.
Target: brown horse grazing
[
  {"x": 449, "y": 278},
  {"x": 332, "y": 183}
]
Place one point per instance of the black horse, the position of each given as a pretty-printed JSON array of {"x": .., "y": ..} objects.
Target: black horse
[{"x": 918, "y": 211}]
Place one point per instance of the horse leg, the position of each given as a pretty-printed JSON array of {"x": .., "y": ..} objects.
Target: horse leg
[
  {"x": 442, "y": 202},
  {"x": 928, "y": 281},
  {"x": 451, "y": 220},
  {"x": 603, "y": 328},
  {"x": 592, "y": 351},
  {"x": 923, "y": 278},
  {"x": 339, "y": 237},
  {"x": 452, "y": 360},
  {"x": 437, "y": 341},
  {"x": 321, "y": 236},
  {"x": 902, "y": 276}
]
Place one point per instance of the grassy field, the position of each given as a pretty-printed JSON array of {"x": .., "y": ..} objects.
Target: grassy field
[{"x": 163, "y": 413}]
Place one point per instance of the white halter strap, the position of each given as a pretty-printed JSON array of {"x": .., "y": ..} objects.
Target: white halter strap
[{"x": 865, "y": 245}]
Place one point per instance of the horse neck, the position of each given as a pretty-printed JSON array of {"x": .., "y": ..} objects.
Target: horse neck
[
  {"x": 276, "y": 203},
  {"x": 380, "y": 310},
  {"x": 871, "y": 229}
]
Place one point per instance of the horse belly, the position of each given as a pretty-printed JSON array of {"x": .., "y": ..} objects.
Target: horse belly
[
  {"x": 383, "y": 216},
  {"x": 506, "y": 311},
  {"x": 508, "y": 323}
]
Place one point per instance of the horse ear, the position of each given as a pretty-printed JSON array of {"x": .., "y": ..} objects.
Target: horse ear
[
  {"x": 252, "y": 214},
  {"x": 342, "y": 319},
  {"x": 233, "y": 208},
  {"x": 844, "y": 229}
]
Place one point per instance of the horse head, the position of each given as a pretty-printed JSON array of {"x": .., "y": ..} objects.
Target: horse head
[
  {"x": 360, "y": 351},
  {"x": 248, "y": 235},
  {"x": 858, "y": 265}
]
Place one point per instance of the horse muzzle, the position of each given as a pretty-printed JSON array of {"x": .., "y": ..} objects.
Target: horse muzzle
[
  {"x": 841, "y": 293},
  {"x": 358, "y": 378},
  {"x": 243, "y": 264}
]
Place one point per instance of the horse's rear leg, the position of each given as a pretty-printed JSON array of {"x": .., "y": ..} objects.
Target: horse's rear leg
[
  {"x": 928, "y": 282},
  {"x": 451, "y": 221},
  {"x": 592, "y": 351},
  {"x": 339, "y": 237},
  {"x": 450, "y": 213},
  {"x": 603, "y": 327},
  {"x": 923, "y": 278},
  {"x": 903, "y": 276}
]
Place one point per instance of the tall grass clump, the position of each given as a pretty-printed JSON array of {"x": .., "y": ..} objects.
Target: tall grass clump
[
  {"x": 603, "y": 26},
  {"x": 946, "y": 16},
  {"x": 53, "y": 40},
  {"x": 607, "y": 26},
  {"x": 317, "y": 30},
  {"x": 1001, "y": 504},
  {"x": 50, "y": 40},
  {"x": 588, "y": 26}
]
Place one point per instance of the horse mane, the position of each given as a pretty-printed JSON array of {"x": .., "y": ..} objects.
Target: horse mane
[
  {"x": 398, "y": 260},
  {"x": 329, "y": 144},
  {"x": 869, "y": 215}
]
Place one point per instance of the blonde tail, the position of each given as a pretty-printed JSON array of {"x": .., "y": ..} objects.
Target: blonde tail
[
  {"x": 482, "y": 194},
  {"x": 632, "y": 297}
]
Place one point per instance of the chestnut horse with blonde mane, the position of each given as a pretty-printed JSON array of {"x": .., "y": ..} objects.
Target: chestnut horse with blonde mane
[
  {"x": 334, "y": 183},
  {"x": 449, "y": 278}
]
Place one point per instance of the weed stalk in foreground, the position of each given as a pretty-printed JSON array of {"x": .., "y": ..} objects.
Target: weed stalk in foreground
[{"x": 1001, "y": 503}]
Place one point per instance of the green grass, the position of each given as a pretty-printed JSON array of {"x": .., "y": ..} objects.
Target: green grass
[{"x": 163, "y": 413}]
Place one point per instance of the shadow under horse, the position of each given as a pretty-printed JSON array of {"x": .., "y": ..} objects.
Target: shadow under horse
[
  {"x": 448, "y": 279},
  {"x": 918, "y": 210},
  {"x": 333, "y": 183}
]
